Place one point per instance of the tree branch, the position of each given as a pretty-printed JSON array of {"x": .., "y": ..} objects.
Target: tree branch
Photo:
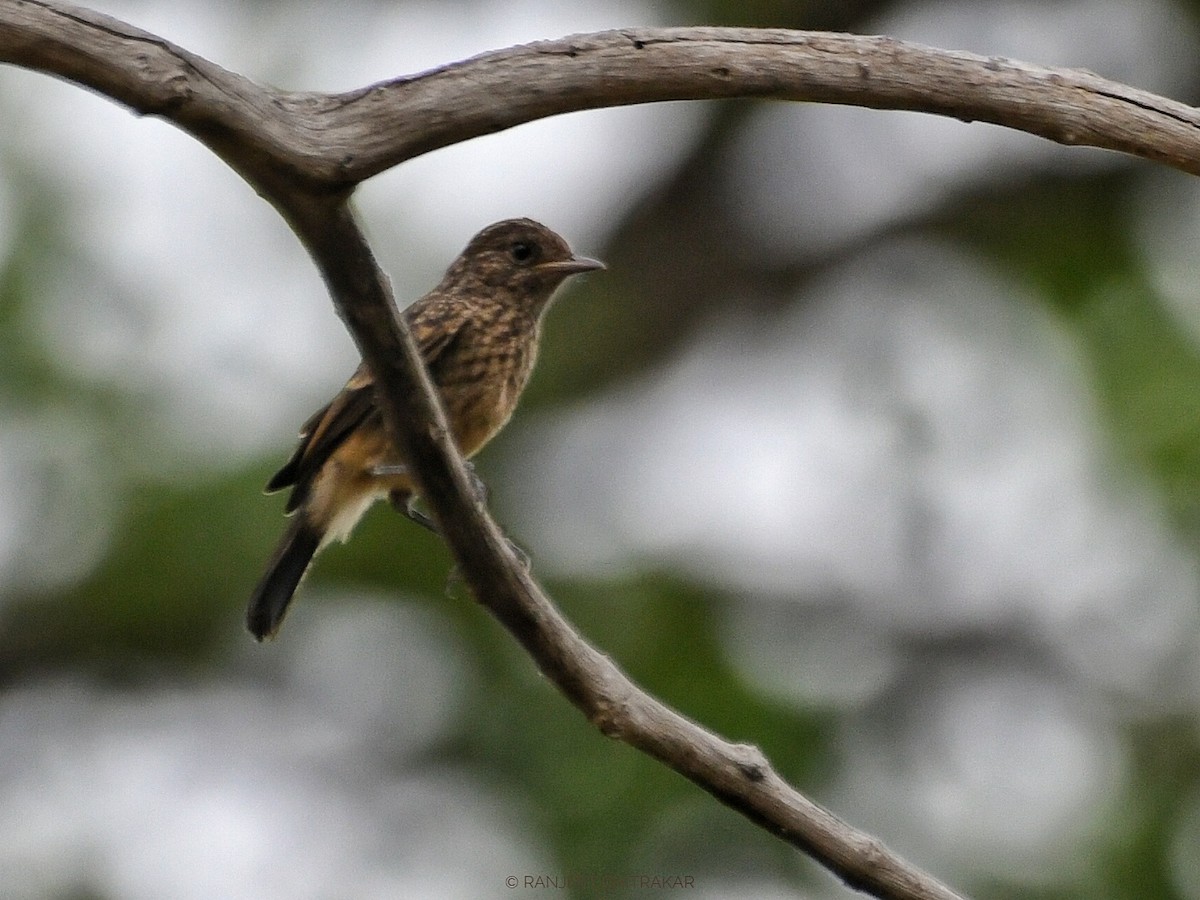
[
  {"x": 736, "y": 774},
  {"x": 491, "y": 92},
  {"x": 305, "y": 152},
  {"x": 338, "y": 140}
]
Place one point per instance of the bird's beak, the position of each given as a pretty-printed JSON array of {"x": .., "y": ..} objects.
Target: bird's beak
[{"x": 572, "y": 266}]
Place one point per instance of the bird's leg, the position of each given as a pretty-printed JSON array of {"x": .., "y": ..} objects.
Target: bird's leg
[
  {"x": 385, "y": 470},
  {"x": 404, "y": 502}
]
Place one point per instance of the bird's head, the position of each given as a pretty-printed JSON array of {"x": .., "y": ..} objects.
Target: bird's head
[{"x": 518, "y": 258}]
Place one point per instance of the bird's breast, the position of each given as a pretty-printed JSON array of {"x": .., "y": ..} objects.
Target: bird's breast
[{"x": 482, "y": 382}]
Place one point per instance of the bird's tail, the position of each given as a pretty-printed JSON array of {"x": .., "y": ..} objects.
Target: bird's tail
[{"x": 274, "y": 591}]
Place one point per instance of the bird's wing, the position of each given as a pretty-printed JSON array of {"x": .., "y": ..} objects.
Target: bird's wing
[
  {"x": 435, "y": 322},
  {"x": 323, "y": 433}
]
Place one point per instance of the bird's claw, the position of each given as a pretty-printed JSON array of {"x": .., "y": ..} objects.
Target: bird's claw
[{"x": 405, "y": 504}]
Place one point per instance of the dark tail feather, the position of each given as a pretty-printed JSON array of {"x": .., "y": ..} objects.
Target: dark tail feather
[{"x": 274, "y": 592}]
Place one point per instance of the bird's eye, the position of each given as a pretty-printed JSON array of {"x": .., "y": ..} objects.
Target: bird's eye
[{"x": 522, "y": 251}]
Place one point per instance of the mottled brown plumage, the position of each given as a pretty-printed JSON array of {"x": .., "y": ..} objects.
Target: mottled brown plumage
[{"x": 478, "y": 334}]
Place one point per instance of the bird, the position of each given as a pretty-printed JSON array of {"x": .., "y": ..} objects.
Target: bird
[{"x": 478, "y": 333}]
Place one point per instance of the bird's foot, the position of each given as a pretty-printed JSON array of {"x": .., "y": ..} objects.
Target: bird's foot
[{"x": 405, "y": 504}]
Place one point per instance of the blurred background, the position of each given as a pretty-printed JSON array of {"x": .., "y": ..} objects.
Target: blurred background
[{"x": 878, "y": 445}]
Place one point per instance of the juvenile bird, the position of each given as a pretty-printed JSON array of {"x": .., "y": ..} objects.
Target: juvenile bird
[{"x": 478, "y": 333}]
